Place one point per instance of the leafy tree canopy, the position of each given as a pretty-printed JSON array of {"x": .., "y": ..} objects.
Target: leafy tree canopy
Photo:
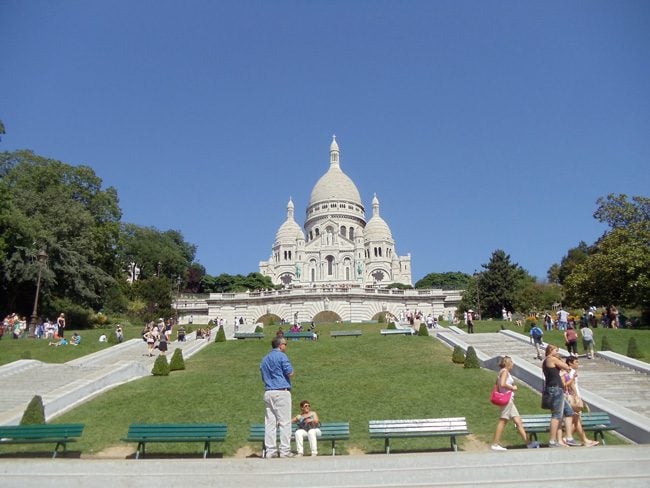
[
  {"x": 155, "y": 252},
  {"x": 225, "y": 283},
  {"x": 63, "y": 210},
  {"x": 446, "y": 281}
]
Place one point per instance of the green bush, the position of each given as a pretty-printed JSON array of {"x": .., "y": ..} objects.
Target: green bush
[
  {"x": 177, "y": 362},
  {"x": 391, "y": 325},
  {"x": 259, "y": 329},
  {"x": 423, "y": 330},
  {"x": 221, "y": 335},
  {"x": 160, "y": 366},
  {"x": 471, "y": 359},
  {"x": 633, "y": 349},
  {"x": 458, "y": 356},
  {"x": 34, "y": 413},
  {"x": 76, "y": 316},
  {"x": 26, "y": 355},
  {"x": 605, "y": 345}
]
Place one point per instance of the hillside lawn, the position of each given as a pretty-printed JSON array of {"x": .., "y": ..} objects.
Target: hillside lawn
[{"x": 353, "y": 379}]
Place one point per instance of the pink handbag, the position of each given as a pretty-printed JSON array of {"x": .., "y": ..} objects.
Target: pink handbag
[{"x": 500, "y": 399}]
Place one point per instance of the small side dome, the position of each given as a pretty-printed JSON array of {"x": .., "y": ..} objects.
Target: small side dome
[
  {"x": 289, "y": 231},
  {"x": 376, "y": 229}
]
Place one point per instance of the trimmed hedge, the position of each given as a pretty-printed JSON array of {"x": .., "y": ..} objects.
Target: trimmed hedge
[{"x": 34, "y": 413}]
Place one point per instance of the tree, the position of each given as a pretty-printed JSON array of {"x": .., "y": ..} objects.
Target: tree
[
  {"x": 496, "y": 287},
  {"x": 446, "y": 281},
  {"x": 574, "y": 257},
  {"x": 617, "y": 270},
  {"x": 2, "y": 129},
  {"x": 225, "y": 283},
  {"x": 154, "y": 252},
  {"x": 63, "y": 210}
]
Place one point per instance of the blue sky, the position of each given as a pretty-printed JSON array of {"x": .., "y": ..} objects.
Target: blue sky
[{"x": 481, "y": 125}]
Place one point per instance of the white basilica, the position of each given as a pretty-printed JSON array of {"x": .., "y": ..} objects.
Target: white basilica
[{"x": 338, "y": 246}]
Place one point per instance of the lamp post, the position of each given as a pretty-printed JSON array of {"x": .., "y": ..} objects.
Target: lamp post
[{"x": 42, "y": 259}]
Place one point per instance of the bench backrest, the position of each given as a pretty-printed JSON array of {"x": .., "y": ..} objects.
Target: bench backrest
[
  {"x": 329, "y": 430},
  {"x": 385, "y": 427},
  {"x": 595, "y": 419},
  {"x": 538, "y": 422},
  {"x": 41, "y": 431},
  {"x": 298, "y": 335},
  {"x": 162, "y": 431}
]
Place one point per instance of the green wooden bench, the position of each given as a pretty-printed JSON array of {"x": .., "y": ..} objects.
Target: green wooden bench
[
  {"x": 397, "y": 332},
  {"x": 596, "y": 422},
  {"x": 249, "y": 335},
  {"x": 146, "y": 433},
  {"x": 345, "y": 333},
  {"x": 298, "y": 335},
  {"x": 61, "y": 434},
  {"x": 331, "y": 432},
  {"x": 389, "y": 429}
]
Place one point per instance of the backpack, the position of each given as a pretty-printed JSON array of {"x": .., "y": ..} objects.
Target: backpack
[{"x": 536, "y": 332}]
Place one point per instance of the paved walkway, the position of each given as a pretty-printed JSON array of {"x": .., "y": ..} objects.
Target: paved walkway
[{"x": 613, "y": 467}]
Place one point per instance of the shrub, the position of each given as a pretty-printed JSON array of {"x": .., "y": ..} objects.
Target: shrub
[
  {"x": 160, "y": 366},
  {"x": 34, "y": 413},
  {"x": 259, "y": 329},
  {"x": 391, "y": 325},
  {"x": 471, "y": 359},
  {"x": 221, "y": 335},
  {"x": 177, "y": 362},
  {"x": 458, "y": 356},
  {"x": 423, "y": 330},
  {"x": 26, "y": 355},
  {"x": 605, "y": 345},
  {"x": 633, "y": 349}
]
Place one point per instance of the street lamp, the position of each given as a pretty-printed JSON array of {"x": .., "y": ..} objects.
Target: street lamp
[{"x": 42, "y": 259}]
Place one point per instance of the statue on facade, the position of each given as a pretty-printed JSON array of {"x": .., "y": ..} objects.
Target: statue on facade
[
  {"x": 359, "y": 269},
  {"x": 298, "y": 270}
]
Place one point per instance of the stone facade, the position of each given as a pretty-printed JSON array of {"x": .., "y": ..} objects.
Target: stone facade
[
  {"x": 346, "y": 303},
  {"x": 338, "y": 246}
]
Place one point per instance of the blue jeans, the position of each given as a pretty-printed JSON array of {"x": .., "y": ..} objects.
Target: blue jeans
[{"x": 559, "y": 408}]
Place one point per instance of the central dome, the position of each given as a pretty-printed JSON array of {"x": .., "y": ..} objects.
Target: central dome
[{"x": 335, "y": 184}]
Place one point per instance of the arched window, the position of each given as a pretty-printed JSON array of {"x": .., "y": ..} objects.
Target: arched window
[
  {"x": 342, "y": 230},
  {"x": 351, "y": 233},
  {"x": 330, "y": 265}
]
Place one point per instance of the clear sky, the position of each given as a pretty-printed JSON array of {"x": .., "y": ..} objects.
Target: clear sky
[{"x": 480, "y": 125}]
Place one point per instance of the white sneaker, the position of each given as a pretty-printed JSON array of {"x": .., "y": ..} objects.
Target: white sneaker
[{"x": 497, "y": 447}]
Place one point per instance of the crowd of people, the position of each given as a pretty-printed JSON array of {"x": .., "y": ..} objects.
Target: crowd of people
[{"x": 17, "y": 326}]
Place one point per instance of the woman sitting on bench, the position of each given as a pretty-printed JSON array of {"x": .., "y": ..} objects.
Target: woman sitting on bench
[{"x": 308, "y": 426}]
